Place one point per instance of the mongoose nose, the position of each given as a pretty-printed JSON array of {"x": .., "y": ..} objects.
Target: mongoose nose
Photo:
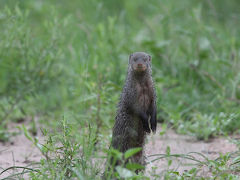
[{"x": 139, "y": 65}]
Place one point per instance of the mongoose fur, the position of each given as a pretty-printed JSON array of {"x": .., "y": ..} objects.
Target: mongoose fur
[{"x": 137, "y": 105}]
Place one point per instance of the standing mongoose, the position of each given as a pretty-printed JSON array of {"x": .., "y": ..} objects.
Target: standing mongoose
[{"x": 137, "y": 105}]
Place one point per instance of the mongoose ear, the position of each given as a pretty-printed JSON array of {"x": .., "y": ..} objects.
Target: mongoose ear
[
  {"x": 130, "y": 56},
  {"x": 149, "y": 58}
]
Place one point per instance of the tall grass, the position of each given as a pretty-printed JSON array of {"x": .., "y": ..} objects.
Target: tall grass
[{"x": 73, "y": 57}]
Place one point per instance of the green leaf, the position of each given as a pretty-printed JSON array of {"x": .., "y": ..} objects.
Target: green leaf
[
  {"x": 26, "y": 133},
  {"x": 192, "y": 171},
  {"x": 131, "y": 152},
  {"x": 236, "y": 159},
  {"x": 169, "y": 162},
  {"x": 134, "y": 166},
  {"x": 168, "y": 150},
  {"x": 115, "y": 153},
  {"x": 176, "y": 172}
]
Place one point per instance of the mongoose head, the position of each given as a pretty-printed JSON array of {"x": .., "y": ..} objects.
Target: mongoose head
[{"x": 140, "y": 62}]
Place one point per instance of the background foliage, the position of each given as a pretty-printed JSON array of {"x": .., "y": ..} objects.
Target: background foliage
[{"x": 70, "y": 58}]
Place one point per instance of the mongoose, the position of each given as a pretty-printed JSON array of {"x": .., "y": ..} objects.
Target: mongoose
[{"x": 137, "y": 105}]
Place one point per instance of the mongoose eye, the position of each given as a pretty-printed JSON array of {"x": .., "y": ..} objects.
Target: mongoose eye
[
  {"x": 134, "y": 59},
  {"x": 149, "y": 58}
]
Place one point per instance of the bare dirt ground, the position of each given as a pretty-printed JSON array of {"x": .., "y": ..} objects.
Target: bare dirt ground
[
  {"x": 21, "y": 152},
  {"x": 183, "y": 144}
]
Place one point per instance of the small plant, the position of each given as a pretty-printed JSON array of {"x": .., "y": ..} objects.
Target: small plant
[
  {"x": 66, "y": 158},
  {"x": 222, "y": 167},
  {"x": 125, "y": 168}
]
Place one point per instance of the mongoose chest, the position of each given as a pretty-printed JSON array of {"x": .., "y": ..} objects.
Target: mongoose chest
[{"x": 143, "y": 95}]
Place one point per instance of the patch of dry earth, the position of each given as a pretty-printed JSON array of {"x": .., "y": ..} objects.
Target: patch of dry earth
[{"x": 183, "y": 144}]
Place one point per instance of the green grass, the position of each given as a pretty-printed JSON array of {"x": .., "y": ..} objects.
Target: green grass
[{"x": 60, "y": 58}]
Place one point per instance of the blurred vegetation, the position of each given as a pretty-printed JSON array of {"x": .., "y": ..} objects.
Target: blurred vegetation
[
  {"x": 70, "y": 58},
  {"x": 59, "y": 57}
]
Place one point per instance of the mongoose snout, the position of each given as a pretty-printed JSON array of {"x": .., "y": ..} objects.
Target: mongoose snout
[{"x": 139, "y": 61}]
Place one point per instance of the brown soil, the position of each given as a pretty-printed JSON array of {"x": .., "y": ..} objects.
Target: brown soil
[
  {"x": 183, "y": 144},
  {"x": 21, "y": 152}
]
